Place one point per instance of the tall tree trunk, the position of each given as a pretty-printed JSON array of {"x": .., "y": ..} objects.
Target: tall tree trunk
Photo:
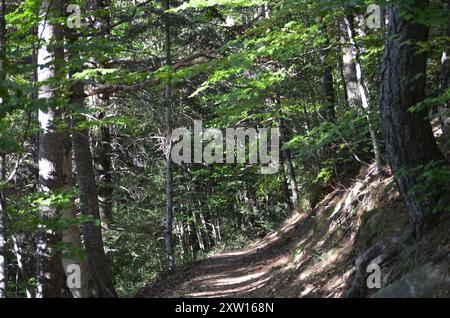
[
  {"x": 204, "y": 228},
  {"x": 292, "y": 178},
  {"x": 51, "y": 151},
  {"x": 103, "y": 163},
  {"x": 89, "y": 286},
  {"x": 356, "y": 93},
  {"x": 214, "y": 220},
  {"x": 189, "y": 235},
  {"x": 204, "y": 223},
  {"x": 17, "y": 250},
  {"x": 327, "y": 110},
  {"x": 2, "y": 155},
  {"x": 168, "y": 237},
  {"x": 286, "y": 155},
  {"x": 71, "y": 235},
  {"x": 284, "y": 184},
  {"x": 179, "y": 230},
  {"x": 100, "y": 268},
  {"x": 102, "y": 147},
  {"x": 99, "y": 264},
  {"x": 408, "y": 135},
  {"x": 215, "y": 236},
  {"x": 198, "y": 232}
]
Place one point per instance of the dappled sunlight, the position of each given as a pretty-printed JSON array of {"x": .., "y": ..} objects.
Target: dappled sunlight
[{"x": 311, "y": 255}]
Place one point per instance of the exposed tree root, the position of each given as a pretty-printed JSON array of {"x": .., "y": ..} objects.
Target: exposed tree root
[{"x": 380, "y": 254}]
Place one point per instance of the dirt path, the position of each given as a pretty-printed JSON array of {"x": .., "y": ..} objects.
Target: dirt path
[
  {"x": 244, "y": 273},
  {"x": 312, "y": 255}
]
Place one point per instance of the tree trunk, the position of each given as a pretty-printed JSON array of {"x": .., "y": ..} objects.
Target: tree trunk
[
  {"x": 2, "y": 155},
  {"x": 286, "y": 156},
  {"x": 179, "y": 230},
  {"x": 215, "y": 237},
  {"x": 102, "y": 149},
  {"x": 327, "y": 110},
  {"x": 103, "y": 164},
  {"x": 17, "y": 250},
  {"x": 408, "y": 135},
  {"x": 98, "y": 262},
  {"x": 284, "y": 184},
  {"x": 189, "y": 236},
  {"x": 71, "y": 235},
  {"x": 198, "y": 232},
  {"x": 51, "y": 152},
  {"x": 168, "y": 236},
  {"x": 355, "y": 89},
  {"x": 100, "y": 269}
]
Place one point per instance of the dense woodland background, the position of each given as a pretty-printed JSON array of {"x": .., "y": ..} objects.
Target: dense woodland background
[{"x": 89, "y": 94}]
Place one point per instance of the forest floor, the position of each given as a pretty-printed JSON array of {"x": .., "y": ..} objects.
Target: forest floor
[{"x": 313, "y": 254}]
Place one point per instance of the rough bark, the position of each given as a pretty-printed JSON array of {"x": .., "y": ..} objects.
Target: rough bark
[
  {"x": 71, "y": 235},
  {"x": 98, "y": 262},
  {"x": 51, "y": 152},
  {"x": 103, "y": 164},
  {"x": 102, "y": 149},
  {"x": 408, "y": 135}
]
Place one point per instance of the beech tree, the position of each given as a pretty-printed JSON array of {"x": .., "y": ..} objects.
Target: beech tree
[
  {"x": 356, "y": 90},
  {"x": 53, "y": 151}
]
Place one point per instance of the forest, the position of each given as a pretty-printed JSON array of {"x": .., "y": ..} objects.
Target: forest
[{"x": 224, "y": 148}]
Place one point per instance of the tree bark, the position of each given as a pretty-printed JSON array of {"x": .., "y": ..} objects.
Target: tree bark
[
  {"x": 357, "y": 97},
  {"x": 327, "y": 110},
  {"x": 51, "y": 151},
  {"x": 284, "y": 184},
  {"x": 98, "y": 262},
  {"x": 408, "y": 135},
  {"x": 2, "y": 155},
  {"x": 71, "y": 234},
  {"x": 168, "y": 235},
  {"x": 204, "y": 227},
  {"x": 103, "y": 163},
  {"x": 286, "y": 156},
  {"x": 17, "y": 250}
]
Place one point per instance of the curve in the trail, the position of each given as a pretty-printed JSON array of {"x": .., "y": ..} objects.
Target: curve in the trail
[{"x": 312, "y": 255}]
